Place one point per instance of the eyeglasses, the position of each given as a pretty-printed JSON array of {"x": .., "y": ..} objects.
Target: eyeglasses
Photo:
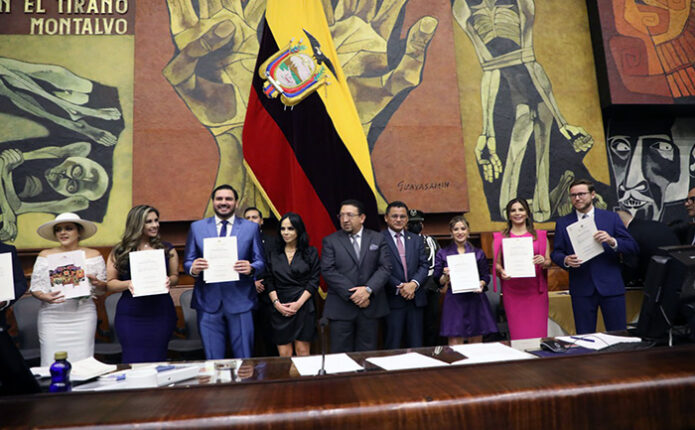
[
  {"x": 690, "y": 200},
  {"x": 348, "y": 214},
  {"x": 580, "y": 195}
]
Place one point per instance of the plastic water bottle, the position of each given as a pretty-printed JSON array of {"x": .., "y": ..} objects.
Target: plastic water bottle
[{"x": 60, "y": 373}]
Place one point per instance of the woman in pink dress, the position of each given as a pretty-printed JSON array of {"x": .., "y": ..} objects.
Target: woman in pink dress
[{"x": 525, "y": 299}]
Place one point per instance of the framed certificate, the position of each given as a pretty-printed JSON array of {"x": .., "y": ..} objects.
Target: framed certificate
[
  {"x": 463, "y": 273},
  {"x": 6, "y": 277},
  {"x": 148, "y": 272},
  {"x": 221, "y": 253}
]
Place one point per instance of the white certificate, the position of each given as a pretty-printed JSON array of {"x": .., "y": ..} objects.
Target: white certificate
[
  {"x": 6, "y": 277},
  {"x": 463, "y": 273},
  {"x": 581, "y": 235},
  {"x": 221, "y": 254},
  {"x": 148, "y": 272},
  {"x": 66, "y": 271},
  {"x": 518, "y": 257}
]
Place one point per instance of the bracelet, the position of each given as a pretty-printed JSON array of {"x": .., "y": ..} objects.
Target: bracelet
[{"x": 274, "y": 301}]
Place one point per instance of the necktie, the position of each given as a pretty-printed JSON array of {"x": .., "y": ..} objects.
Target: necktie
[
  {"x": 401, "y": 253},
  {"x": 223, "y": 230},
  {"x": 356, "y": 245}
]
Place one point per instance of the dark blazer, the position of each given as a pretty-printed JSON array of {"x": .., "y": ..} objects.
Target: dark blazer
[
  {"x": 290, "y": 280},
  {"x": 603, "y": 271},
  {"x": 649, "y": 235},
  {"x": 238, "y": 296},
  {"x": 418, "y": 266},
  {"x": 342, "y": 271},
  {"x": 20, "y": 281}
]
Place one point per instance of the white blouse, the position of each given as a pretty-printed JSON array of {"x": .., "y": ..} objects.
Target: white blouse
[{"x": 41, "y": 282}]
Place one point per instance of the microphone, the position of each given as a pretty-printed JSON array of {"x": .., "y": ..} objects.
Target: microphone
[{"x": 323, "y": 322}]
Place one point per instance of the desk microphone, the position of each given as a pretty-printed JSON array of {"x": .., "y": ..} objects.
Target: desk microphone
[{"x": 323, "y": 322}]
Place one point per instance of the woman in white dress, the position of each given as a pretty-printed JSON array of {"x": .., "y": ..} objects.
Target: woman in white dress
[{"x": 67, "y": 324}]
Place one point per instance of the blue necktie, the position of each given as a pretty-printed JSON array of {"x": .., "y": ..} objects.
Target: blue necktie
[{"x": 223, "y": 230}]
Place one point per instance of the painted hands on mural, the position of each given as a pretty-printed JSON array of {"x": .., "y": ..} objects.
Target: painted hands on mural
[{"x": 217, "y": 49}]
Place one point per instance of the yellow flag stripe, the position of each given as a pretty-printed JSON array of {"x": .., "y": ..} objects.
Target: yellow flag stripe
[{"x": 287, "y": 20}]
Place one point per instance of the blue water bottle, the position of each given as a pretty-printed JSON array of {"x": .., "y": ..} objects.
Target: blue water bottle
[{"x": 60, "y": 373}]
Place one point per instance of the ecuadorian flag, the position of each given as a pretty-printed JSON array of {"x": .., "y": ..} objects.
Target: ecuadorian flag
[{"x": 308, "y": 158}]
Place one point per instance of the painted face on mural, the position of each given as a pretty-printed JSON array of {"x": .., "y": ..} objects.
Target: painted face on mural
[
  {"x": 78, "y": 176},
  {"x": 650, "y": 164},
  {"x": 644, "y": 166}
]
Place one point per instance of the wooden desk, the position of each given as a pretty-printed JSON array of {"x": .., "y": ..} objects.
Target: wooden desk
[{"x": 651, "y": 389}]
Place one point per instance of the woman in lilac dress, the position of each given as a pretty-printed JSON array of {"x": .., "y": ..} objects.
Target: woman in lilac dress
[
  {"x": 525, "y": 299},
  {"x": 465, "y": 316},
  {"x": 144, "y": 324}
]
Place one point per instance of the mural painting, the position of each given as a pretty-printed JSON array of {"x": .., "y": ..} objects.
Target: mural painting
[
  {"x": 649, "y": 49},
  {"x": 63, "y": 116},
  {"x": 652, "y": 165},
  {"x": 526, "y": 145}
]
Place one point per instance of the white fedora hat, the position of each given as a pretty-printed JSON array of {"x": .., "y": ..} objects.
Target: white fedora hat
[{"x": 46, "y": 230}]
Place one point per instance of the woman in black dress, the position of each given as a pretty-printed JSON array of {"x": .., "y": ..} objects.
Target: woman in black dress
[{"x": 293, "y": 278}]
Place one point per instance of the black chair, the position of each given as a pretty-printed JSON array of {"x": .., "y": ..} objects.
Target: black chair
[
  {"x": 495, "y": 300},
  {"x": 26, "y": 313},
  {"x": 110, "y": 351},
  {"x": 190, "y": 347}
]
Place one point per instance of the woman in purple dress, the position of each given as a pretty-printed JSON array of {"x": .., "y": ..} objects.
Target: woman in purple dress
[
  {"x": 465, "y": 316},
  {"x": 525, "y": 299},
  {"x": 144, "y": 324}
]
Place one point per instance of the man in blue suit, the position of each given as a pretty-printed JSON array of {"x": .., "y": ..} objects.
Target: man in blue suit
[
  {"x": 225, "y": 308},
  {"x": 409, "y": 268},
  {"x": 597, "y": 282}
]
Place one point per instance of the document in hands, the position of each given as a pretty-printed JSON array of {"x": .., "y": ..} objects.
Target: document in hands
[
  {"x": 581, "y": 235},
  {"x": 148, "y": 272},
  {"x": 463, "y": 273},
  {"x": 517, "y": 253},
  {"x": 66, "y": 271},
  {"x": 221, "y": 253},
  {"x": 6, "y": 277}
]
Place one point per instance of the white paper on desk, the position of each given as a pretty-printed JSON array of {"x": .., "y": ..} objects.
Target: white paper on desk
[
  {"x": 148, "y": 272},
  {"x": 6, "y": 277},
  {"x": 518, "y": 257},
  {"x": 66, "y": 271},
  {"x": 597, "y": 341},
  {"x": 489, "y": 352},
  {"x": 463, "y": 273},
  {"x": 221, "y": 253},
  {"x": 82, "y": 370},
  {"x": 335, "y": 363},
  {"x": 410, "y": 360},
  {"x": 581, "y": 235}
]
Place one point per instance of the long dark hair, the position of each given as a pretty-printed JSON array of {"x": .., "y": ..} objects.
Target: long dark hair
[
  {"x": 134, "y": 224},
  {"x": 529, "y": 217},
  {"x": 302, "y": 235}
]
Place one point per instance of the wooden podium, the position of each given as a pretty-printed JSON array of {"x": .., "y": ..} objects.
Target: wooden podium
[{"x": 651, "y": 389}]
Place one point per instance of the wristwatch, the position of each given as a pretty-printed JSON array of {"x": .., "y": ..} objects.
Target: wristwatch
[{"x": 369, "y": 290}]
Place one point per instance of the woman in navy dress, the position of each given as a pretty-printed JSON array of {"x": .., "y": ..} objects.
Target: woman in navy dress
[
  {"x": 293, "y": 279},
  {"x": 144, "y": 324},
  {"x": 465, "y": 316}
]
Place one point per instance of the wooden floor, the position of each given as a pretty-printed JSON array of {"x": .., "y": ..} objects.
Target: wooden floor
[{"x": 652, "y": 389}]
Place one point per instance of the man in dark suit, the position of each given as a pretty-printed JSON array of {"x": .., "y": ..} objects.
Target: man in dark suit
[
  {"x": 225, "y": 308},
  {"x": 355, "y": 265},
  {"x": 649, "y": 235},
  {"x": 597, "y": 282},
  {"x": 406, "y": 297},
  {"x": 686, "y": 232},
  {"x": 261, "y": 317},
  {"x": 14, "y": 376}
]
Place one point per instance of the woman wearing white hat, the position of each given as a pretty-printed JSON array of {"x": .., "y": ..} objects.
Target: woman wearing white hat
[{"x": 67, "y": 324}]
